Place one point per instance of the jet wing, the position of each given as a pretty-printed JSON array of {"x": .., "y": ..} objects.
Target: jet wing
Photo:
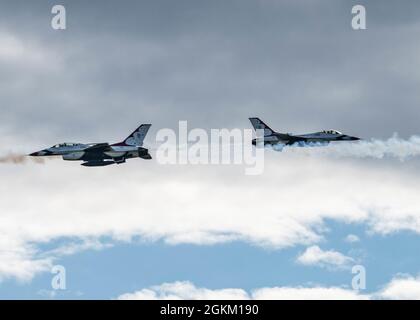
[
  {"x": 98, "y": 147},
  {"x": 294, "y": 139}
]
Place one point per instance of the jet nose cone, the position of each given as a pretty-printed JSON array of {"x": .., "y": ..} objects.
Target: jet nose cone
[
  {"x": 37, "y": 154},
  {"x": 355, "y": 138}
]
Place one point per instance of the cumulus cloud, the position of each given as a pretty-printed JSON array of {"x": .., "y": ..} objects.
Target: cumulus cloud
[
  {"x": 315, "y": 256},
  {"x": 196, "y": 204},
  {"x": 186, "y": 290},
  {"x": 401, "y": 288},
  {"x": 18, "y": 260}
]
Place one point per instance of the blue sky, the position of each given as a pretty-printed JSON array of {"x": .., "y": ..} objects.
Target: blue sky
[{"x": 127, "y": 267}]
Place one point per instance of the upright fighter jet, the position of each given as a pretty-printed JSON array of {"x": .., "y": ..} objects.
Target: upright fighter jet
[
  {"x": 317, "y": 138},
  {"x": 101, "y": 154}
]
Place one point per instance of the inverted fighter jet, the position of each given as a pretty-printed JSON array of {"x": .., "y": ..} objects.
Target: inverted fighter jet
[
  {"x": 286, "y": 139},
  {"x": 102, "y": 154}
]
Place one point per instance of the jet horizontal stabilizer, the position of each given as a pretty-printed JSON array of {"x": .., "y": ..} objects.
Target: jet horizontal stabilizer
[
  {"x": 146, "y": 156},
  {"x": 144, "y": 153}
]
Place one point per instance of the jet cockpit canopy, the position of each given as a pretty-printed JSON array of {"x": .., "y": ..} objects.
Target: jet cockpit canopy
[
  {"x": 332, "y": 132},
  {"x": 66, "y": 144}
]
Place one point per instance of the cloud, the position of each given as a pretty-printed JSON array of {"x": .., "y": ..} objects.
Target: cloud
[
  {"x": 70, "y": 248},
  {"x": 11, "y": 47},
  {"x": 18, "y": 260},
  {"x": 17, "y": 53},
  {"x": 401, "y": 288},
  {"x": 315, "y": 256},
  {"x": 176, "y": 63},
  {"x": 352, "y": 238},
  {"x": 201, "y": 205},
  {"x": 186, "y": 290}
]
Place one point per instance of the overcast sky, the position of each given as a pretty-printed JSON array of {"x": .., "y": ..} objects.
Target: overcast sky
[
  {"x": 296, "y": 64},
  {"x": 214, "y": 63}
]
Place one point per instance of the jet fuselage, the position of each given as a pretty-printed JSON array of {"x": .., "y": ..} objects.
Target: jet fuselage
[
  {"x": 319, "y": 138},
  {"x": 101, "y": 154}
]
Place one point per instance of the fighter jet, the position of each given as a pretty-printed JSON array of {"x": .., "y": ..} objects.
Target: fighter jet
[
  {"x": 102, "y": 154},
  {"x": 286, "y": 139}
]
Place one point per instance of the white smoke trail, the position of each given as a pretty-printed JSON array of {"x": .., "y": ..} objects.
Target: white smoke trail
[
  {"x": 393, "y": 147},
  {"x": 19, "y": 159}
]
